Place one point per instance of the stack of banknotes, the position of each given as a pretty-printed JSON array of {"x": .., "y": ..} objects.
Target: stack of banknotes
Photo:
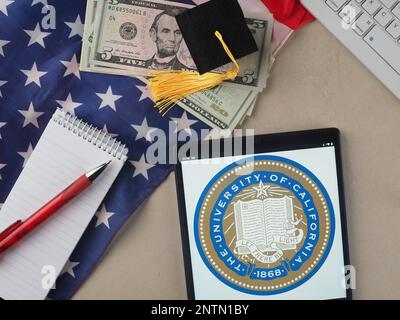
[{"x": 121, "y": 37}]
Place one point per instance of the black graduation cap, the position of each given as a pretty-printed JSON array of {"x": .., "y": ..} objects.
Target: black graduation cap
[{"x": 198, "y": 26}]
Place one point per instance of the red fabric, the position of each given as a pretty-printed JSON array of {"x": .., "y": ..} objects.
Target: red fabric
[{"x": 289, "y": 12}]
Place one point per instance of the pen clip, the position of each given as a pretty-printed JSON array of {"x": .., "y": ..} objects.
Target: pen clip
[{"x": 9, "y": 230}]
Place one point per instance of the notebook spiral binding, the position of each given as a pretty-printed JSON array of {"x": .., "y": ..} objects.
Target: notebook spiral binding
[{"x": 91, "y": 134}]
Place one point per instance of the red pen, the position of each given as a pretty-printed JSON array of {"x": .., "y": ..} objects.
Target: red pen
[{"x": 21, "y": 228}]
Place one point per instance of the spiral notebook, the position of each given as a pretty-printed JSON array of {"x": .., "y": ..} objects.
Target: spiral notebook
[{"x": 68, "y": 148}]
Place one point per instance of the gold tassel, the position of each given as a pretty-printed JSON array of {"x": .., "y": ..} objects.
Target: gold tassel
[{"x": 170, "y": 86}]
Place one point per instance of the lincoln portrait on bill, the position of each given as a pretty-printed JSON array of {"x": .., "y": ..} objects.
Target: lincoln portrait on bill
[{"x": 167, "y": 36}]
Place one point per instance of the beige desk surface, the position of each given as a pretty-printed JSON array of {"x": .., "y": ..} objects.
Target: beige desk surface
[{"x": 315, "y": 83}]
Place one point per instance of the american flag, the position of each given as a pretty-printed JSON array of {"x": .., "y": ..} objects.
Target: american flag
[{"x": 39, "y": 71}]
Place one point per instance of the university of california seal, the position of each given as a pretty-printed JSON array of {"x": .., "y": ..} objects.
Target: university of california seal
[
  {"x": 265, "y": 225},
  {"x": 128, "y": 31}
]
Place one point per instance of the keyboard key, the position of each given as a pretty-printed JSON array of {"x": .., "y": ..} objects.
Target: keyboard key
[
  {"x": 396, "y": 11},
  {"x": 394, "y": 29},
  {"x": 371, "y": 6},
  {"x": 384, "y": 46},
  {"x": 363, "y": 24},
  {"x": 336, "y": 4},
  {"x": 383, "y": 17},
  {"x": 389, "y": 3},
  {"x": 350, "y": 12}
]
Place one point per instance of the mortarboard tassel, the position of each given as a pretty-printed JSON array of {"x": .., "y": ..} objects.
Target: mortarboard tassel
[{"x": 170, "y": 86}]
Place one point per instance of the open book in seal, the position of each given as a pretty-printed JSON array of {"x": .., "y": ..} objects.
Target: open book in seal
[{"x": 266, "y": 228}]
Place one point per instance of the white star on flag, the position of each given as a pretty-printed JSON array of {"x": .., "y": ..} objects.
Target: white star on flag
[
  {"x": 2, "y": 83},
  {"x": 103, "y": 216},
  {"x": 68, "y": 104},
  {"x": 2, "y": 165},
  {"x": 2, "y": 44},
  {"x": 145, "y": 93},
  {"x": 37, "y": 36},
  {"x": 30, "y": 116},
  {"x": 76, "y": 27},
  {"x": 1, "y": 205},
  {"x": 34, "y": 2},
  {"x": 105, "y": 129},
  {"x": 144, "y": 131},
  {"x": 26, "y": 154},
  {"x": 72, "y": 67},
  {"x": 2, "y": 124},
  {"x": 4, "y": 4},
  {"x": 69, "y": 268},
  {"x": 141, "y": 167},
  {"x": 33, "y": 75},
  {"x": 108, "y": 99},
  {"x": 184, "y": 123}
]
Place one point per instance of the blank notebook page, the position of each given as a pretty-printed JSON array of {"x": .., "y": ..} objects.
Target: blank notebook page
[{"x": 67, "y": 149}]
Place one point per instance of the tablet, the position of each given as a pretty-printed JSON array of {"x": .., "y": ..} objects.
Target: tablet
[{"x": 264, "y": 218}]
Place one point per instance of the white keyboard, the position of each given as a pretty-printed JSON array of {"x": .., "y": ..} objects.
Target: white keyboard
[{"x": 370, "y": 29}]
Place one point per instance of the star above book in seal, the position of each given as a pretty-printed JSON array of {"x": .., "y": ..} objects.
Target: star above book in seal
[{"x": 262, "y": 190}]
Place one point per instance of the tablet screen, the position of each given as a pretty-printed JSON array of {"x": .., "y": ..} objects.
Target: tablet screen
[{"x": 265, "y": 226}]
